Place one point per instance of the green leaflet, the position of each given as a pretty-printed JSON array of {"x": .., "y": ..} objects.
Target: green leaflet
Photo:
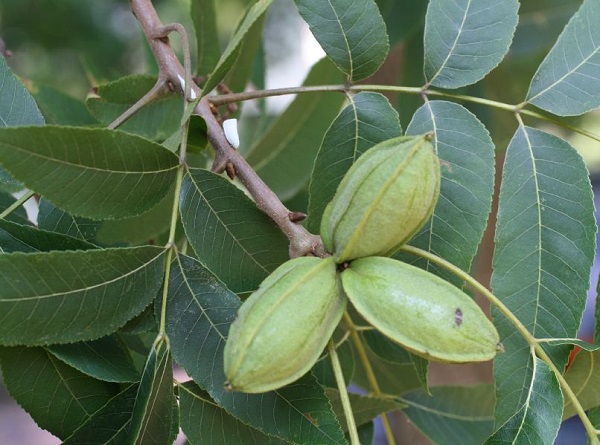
[
  {"x": 155, "y": 410},
  {"x": 155, "y": 121},
  {"x": 96, "y": 173},
  {"x": 453, "y": 414},
  {"x": 255, "y": 12},
  {"x": 567, "y": 82},
  {"x": 229, "y": 234},
  {"x": 537, "y": 421},
  {"x": 545, "y": 241},
  {"x": 466, "y": 154},
  {"x": 58, "y": 397},
  {"x": 17, "y": 107},
  {"x": 465, "y": 39},
  {"x": 25, "y": 238},
  {"x": 109, "y": 425},
  {"x": 204, "y": 15},
  {"x": 351, "y": 32},
  {"x": 75, "y": 296},
  {"x": 205, "y": 422},
  {"x": 105, "y": 359}
]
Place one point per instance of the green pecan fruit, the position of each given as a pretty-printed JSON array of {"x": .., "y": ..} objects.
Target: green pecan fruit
[
  {"x": 383, "y": 200},
  {"x": 282, "y": 329},
  {"x": 420, "y": 311}
]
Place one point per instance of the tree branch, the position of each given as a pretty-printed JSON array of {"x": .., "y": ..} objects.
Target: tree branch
[{"x": 227, "y": 158}]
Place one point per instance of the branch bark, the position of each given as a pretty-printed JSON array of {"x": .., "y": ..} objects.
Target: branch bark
[{"x": 228, "y": 159}]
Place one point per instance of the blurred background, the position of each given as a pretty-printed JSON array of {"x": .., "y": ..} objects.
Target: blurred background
[{"x": 75, "y": 45}]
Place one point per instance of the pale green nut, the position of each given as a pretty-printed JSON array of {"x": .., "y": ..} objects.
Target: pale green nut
[
  {"x": 387, "y": 195},
  {"x": 422, "y": 312},
  {"x": 283, "y": 327}
]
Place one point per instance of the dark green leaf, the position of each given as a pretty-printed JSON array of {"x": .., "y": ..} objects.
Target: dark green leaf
[
  {"x": 53, "y": 219},
  {"x": 152, "y": 418},
  {"x": 105, "y": 359},
  {"x": 366, "y": 121},
  {"x": 108, "y": 425},
  {"x": 230, "y": 53},
  {"x": 92, "y": 172},
  {"x": 204, "y": 15},
  {"x": 8, "y": 183},
  {"x": 19, "y": 238},
  {"x": 156, "y": 121},
  {"x": 145, "y": 322},
  {"x": 536, "y": 422},
  {"x": 204, "y": 422},
  {"x": 453, "y": 414},
  {"x": 19, "y": 215},
  {"x": 230, "y": 235},
  {"x": 567, "y": 82},
  {"x": 59, "y": 108},
  {"x": 284, "y": 156},
  {"x": 466, "y": 154},
  {"x": 393, "y": 378},
  {"x": 545, "y": 241},
  {"x": 58, "y": 397},
  {"x": 364, "y": 408},
  {"x": 583, "y": 376},
  {"x": 351, "y": 32},
  {"x": 366, "y": 434},
  {"x": 394, "y": 353},
  {"x": 74, "y": 296},
  {"x": 17, "y": 107},
  {"x": 139, "y": 229},
  {"x": 465, "y": 40},
  {"x": 199, "y": 312}
]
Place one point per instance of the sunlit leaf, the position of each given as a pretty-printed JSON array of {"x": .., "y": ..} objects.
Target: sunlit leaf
[
  {"x": 229, "y": 234},
  {"x": 568, "y": 81},
  {"x": 153, "y": 412},
  {"x": 367, "y": 120},
  {"x": 205, "y": 422},
  {"x": 58, "y": 397},
  {"x": 465, "y": 40},
  {"x": 104, "y": 359},
  {"x": 537, "y": 420},
  {"x": 545, "y": 242},
  {"x": 74, "y": 296},
  {"x": 466, "y": 154},
  {"x": 199, "y": 312},
  {"x": 285, "y": 155},
  {"x": 453, "y": 414},
  {"x": 351, "y": 32},
  {"x": 90, "y": 172}
]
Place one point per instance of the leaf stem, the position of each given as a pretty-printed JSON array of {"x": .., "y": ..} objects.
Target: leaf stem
[
  {"x": 18, "y": 203},
  {"x": 531, "y": 340},
  {"x": 339, "y": 378},
  {"x": 425, "y": 92},
  {"x": 362, "y": 353}
]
